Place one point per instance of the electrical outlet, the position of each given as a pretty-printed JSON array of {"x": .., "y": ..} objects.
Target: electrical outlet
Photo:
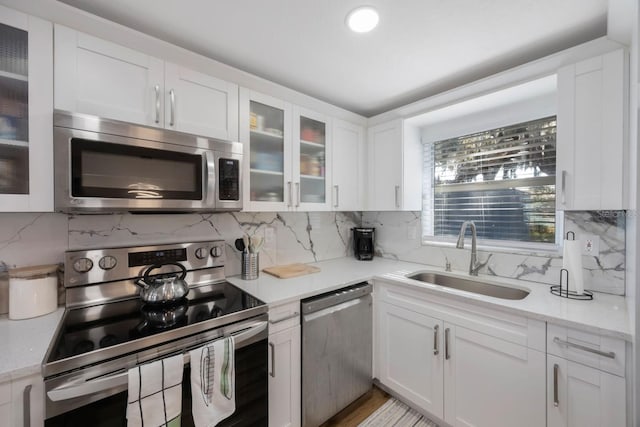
[
  {"x": 590, "y": 244},
  {"x": 269, "y": 238}
]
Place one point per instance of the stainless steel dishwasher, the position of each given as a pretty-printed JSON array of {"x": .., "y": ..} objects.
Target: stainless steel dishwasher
[{"x": 336, "y": 351}]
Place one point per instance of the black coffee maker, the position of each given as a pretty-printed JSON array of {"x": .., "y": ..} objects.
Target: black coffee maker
[{"x": 363, "y": 243}]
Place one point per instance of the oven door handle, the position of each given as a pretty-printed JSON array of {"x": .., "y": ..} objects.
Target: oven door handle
[{"x": 87, "y": 388}]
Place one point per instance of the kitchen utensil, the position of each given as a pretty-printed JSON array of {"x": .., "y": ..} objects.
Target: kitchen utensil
[
  {"x": 163, "y": 288},
  {"x": 239, "y": 243},
  {"x": 256, "y": 244},
  {"x": 291, "y": 270},
  {"x": 245, "y": 239}
]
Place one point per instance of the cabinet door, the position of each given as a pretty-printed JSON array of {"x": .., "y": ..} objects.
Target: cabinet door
[
  {"x": 97, "y": 77},
  {"x": 347, "y": 166},
  {"x": 265, "y": 131},
  {"x": 284, "y": 378},
  {"x": 26, "y": 103},
  {"x": 311, "y": 158},
  {"x": 409, "y": 356},
  {"x": 489, "y": 382},
  {"x": 591, "y": 133},
  {"x": 580, "y": 396},
  {"x": 27, "y": 401},
  {"x": 200, "y": 104},
  {"x": 385, "y": 167}
]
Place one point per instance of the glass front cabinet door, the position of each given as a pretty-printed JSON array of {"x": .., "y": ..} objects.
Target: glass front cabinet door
[
  {"x": 26, "y": 113},
  {"x": 311, "y": 145},
  {"x": 265, "y": 131}
]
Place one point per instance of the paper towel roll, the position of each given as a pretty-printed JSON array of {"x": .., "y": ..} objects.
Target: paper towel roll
[{"x": 572, "y": 261}]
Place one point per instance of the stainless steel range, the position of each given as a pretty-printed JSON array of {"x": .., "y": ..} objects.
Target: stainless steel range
[{"x": 108, "y": 329}]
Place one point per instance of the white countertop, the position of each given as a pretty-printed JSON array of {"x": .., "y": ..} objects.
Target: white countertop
[
  {"x": 605, "y": 314},
  {"x": 24, "y": 343}
]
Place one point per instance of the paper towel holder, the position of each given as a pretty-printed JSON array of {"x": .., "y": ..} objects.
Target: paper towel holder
[{"x": 564, "y": 292}]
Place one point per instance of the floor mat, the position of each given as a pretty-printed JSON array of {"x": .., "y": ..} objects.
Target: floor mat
[{"x": 397, "y": 414}]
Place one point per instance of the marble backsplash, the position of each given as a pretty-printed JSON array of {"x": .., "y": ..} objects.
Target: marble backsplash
[
  {"x": 398, "y": 237},
  {"x": 33, "y": 239}
]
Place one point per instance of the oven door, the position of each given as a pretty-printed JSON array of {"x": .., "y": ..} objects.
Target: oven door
[
  {"x": 103, "y": 172},
  {"x": 84, "y": 398}
]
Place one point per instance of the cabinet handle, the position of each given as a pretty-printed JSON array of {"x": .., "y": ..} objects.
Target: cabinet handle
[
  {"x": 172, "y": 96},
  {"x": 556, "y": 402},
  {"x": 337, "y": 196},
  {"x": 397, "y": 198},
  {"x": 564, "y": 187},
  {"x": 294, "y": 315},
  {"x": 447, "y": 356},
  {"x": 157, "y": 89},
  {"x": 435, "y": 340},
  {"x": 290, "y": 194},
  {"x": 26, "y": 407},
  {"x": 297, "y": 194},
  {"x": 609, "y": 354},
  {"x": 273, "y": 360}
]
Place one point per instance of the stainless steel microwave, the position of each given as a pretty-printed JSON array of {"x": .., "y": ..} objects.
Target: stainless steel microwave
[{"x": 104, "y": 165}]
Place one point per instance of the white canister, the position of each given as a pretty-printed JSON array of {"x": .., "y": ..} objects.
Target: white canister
[{"x": 33, "y": 291}]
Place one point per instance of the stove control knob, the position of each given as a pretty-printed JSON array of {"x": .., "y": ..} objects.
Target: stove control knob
[
  {"x": 216, "y": 251},
  {"x": 107, "y": 262},
  {"x": 82, "y": 265},
  {"x": 201, "y": 253}
]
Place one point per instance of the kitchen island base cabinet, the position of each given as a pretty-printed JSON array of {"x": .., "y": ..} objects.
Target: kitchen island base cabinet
[{"x": 463, "y": 364}]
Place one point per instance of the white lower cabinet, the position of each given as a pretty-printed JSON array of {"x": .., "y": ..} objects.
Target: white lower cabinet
[
  {"x": 409, "y": 357},
  {"x": 22, "y": 402},
  {"x": 491, "y": 382},
  {"x": 284, "y": 366},
  {"x": 585, "y": 379},
  {"x": 465, "y": 365}
]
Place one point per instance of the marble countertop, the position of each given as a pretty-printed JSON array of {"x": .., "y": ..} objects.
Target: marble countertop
[
  {"x": 605, "y": 314},
  {"x": 24, "y": 343}
]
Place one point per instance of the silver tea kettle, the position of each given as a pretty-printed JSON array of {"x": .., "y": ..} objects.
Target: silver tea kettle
[{"x": 163, "y": 288}]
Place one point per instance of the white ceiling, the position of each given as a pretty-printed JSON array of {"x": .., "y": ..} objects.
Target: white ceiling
[{"x": 420, "y": 48}]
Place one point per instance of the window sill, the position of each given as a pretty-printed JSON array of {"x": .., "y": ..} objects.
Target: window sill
[{"x": 518, "y": 248}]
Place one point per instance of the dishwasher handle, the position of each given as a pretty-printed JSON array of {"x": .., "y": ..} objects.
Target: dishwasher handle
[{"x": 340, "y": 296}]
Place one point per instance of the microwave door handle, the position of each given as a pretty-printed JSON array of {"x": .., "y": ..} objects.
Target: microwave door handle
[
  {"x": 121, "y": 379},
  {"x": 210, "y": 175}
]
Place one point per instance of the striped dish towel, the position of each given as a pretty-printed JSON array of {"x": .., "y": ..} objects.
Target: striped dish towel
[
  {"x": 213, "y": 382},
  {"x": 155, "y": 393}
]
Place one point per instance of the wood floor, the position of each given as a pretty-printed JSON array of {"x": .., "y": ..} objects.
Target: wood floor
[{"x": 359, "y": 410}]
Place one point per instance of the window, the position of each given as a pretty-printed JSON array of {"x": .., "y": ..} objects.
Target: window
[{"x": 503, "y": 179}]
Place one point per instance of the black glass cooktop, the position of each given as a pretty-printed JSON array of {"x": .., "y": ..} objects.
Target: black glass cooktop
[{"x": 102, "y": 326}]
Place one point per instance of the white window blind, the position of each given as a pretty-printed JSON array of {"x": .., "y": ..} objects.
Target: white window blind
[{"x": 503, "y": 179}]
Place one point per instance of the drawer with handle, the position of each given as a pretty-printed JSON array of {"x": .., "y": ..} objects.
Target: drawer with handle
[
  {"x": 284, "y": 316},
  {"x": 595, "y": 350}
]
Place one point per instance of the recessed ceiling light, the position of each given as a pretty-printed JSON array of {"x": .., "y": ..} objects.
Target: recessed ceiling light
[{"x": 362, "y": 19}]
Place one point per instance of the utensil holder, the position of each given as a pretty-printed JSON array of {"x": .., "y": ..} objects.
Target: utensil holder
[{"x": 249, "y": 266}]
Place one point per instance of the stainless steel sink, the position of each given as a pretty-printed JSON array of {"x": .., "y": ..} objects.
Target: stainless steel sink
[{"x": 469, "y": 285}]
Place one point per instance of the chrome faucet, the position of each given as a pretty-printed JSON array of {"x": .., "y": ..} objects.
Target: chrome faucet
[{"x": 474, "y": 265}]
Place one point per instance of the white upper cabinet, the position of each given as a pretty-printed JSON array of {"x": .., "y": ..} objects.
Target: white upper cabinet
[
  {"x": 94, "y": 76},
  {"x": 592, "y": 152},
  {"x": 288, "y": 151},
  {"x": 347, "y": 169},
  {"x": 311, "y": 160},
  {"x": 200, "y": 104},
  {"x": 395, "y": 167},
  {"x": 97, "y": 77},
  {"x": 26, "y": 104}
]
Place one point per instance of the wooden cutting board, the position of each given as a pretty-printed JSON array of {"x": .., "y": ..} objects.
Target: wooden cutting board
[{"x": 291, "y": 270}]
